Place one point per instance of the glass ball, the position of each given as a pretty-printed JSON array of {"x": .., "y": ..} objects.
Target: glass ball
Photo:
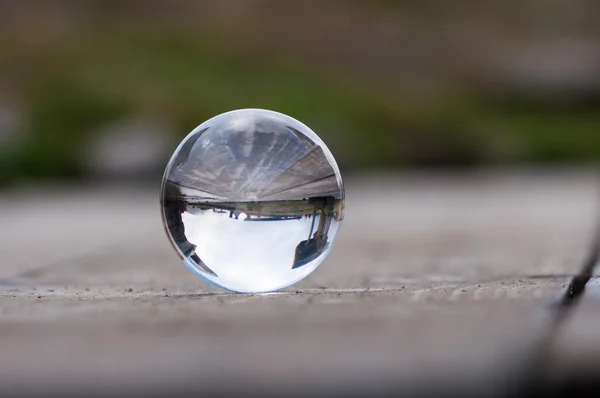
[{"x": 252, "y": 200}]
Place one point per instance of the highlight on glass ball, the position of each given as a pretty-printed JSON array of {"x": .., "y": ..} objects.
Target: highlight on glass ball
[{"x": 252, "y": 200}]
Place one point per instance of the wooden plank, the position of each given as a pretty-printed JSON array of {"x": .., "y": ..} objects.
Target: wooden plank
[{"x": 433, "y": 278}]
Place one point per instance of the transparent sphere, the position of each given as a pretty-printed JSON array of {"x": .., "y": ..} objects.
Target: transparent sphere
[{"x": 252, "y": 200}]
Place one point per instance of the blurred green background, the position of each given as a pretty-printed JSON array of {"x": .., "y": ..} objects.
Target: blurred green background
[{"x": 106, "y": 89}]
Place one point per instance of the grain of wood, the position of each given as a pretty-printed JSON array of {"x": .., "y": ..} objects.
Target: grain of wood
[{"x": 446, "y": 275}]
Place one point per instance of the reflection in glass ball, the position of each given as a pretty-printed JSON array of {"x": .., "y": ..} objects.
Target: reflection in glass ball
[{"x": 252, "y": 200}]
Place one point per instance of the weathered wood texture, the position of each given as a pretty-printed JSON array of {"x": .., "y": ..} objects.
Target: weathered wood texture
[{"x": 434, "y": 277}]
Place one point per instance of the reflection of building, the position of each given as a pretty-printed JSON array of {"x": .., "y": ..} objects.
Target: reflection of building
[{"x": 317, "y": 243}]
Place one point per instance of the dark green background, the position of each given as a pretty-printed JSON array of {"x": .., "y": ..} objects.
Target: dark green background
[{"x": 386, "y": 84}]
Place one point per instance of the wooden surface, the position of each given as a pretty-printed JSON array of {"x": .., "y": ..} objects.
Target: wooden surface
[{"x": 437, "y": 283}]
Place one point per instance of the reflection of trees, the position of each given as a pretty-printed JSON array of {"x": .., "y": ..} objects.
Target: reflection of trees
[
  {"x": 173, "y": 208},
  {"x": 273, "y": 210},
  {"x": 320, "y": 210}
]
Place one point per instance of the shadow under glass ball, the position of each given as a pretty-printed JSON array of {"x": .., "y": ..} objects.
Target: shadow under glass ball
[{"x": 252, "y": 200}]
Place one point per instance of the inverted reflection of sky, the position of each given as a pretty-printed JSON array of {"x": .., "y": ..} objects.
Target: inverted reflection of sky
[{"x": 249, "y": 255}]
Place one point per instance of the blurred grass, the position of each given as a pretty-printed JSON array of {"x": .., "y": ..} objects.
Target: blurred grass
[{"x": 73, "y": 84}]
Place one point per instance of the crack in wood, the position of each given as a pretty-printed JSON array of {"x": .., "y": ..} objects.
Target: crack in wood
[{"x": 536, "y": 378}]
